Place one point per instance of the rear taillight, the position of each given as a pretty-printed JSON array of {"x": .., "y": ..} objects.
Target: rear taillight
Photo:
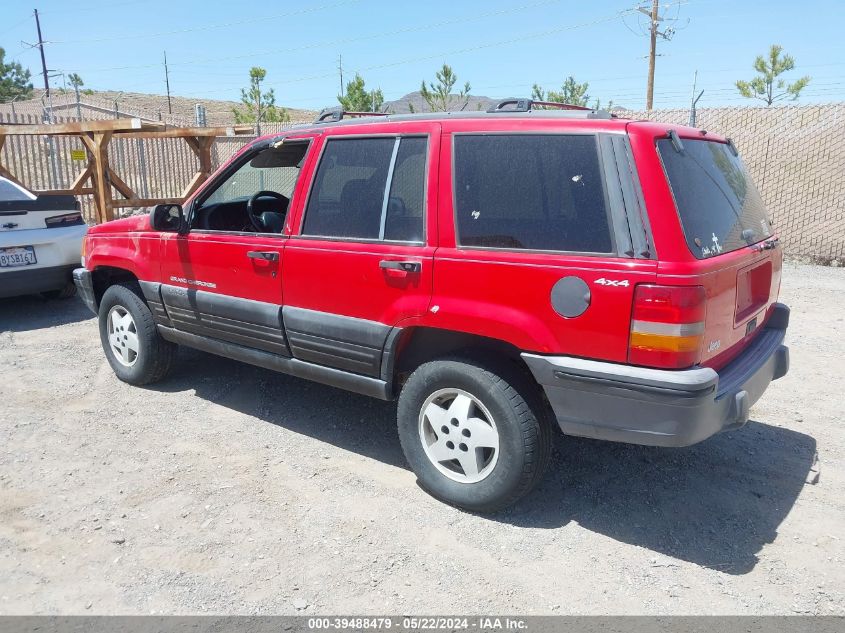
[
  {"x": 667, "y": 326},
  {"x": 66, "y": 219}
]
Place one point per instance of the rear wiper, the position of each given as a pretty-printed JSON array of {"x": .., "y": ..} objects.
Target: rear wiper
[{"x": 766, "y": 245}]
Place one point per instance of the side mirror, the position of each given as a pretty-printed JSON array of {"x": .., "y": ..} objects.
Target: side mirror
[{"x": 168, "y": 217}]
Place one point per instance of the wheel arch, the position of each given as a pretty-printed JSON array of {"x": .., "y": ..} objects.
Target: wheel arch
[
  {"x": 414, "y": 346},
  {"x": 103, "y": 277}
]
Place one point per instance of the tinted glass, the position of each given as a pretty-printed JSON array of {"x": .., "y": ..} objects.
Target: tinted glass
[
  {"x": 271, "y": 170},
  {"x": 10, "y": 191},
  {"x": 404, "y": 220},
  {"x": 538, "y": 192},
  {"x": 719, "y": 206},
  {"x": 348, "y": 191}
]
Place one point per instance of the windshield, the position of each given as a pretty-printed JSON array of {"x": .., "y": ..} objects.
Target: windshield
[
  {"x": 719, "y": 206},
  {"x": 274, "y": 169}
]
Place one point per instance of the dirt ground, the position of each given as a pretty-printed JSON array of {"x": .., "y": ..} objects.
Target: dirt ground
[{"x": 231, "y": 489}]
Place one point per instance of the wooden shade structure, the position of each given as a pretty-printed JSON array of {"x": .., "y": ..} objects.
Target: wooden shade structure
[{"x": 98, "y": 178}]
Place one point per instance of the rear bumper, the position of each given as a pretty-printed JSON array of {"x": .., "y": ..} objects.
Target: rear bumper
[
  {"x": 656, "y": 407},
  {"x": 30, "y": 280},
  {"x": 85, "y": 288}
]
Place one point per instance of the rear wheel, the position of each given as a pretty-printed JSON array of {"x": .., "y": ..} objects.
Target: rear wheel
[
  {"x": 135, "y": 350},
  {"x": 66, "y": 292},
  {"x": 474, "y": 433}
]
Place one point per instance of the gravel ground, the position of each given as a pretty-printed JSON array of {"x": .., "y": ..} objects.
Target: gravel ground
[{"x": 230, "y": 489}]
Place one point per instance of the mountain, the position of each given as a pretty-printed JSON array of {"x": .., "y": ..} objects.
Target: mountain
[
  {"x": 400, "y": 106},
  {"x": 103, "y": 103}
]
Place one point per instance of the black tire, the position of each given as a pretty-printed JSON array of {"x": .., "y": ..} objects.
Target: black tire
[
  {"x": 524, "y": 431},
  {"x": 66, "y": 292},
  {"x": 155, "y": 356}
]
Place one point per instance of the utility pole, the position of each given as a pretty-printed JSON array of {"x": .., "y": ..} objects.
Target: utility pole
[
  {"x": 649, "y": 101},
  {"x": 40, "y": 46},
  {"x": 167, "y": 83},
  {"x": 666, "y": 34},
  {"x": 78, "y": 106},
  {"x": 340, "y": 70},
  {"x": 693, "y": 100}
]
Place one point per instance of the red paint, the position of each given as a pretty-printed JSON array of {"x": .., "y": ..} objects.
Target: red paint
[{"x": 494, "y": 293}]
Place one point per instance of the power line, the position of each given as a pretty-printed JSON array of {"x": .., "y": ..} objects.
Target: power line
[
  {"x": 209, "y": 27},
  {"x": 346, "y": 40}
]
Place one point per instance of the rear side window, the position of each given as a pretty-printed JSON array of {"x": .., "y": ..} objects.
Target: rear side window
[
  {"x": 719, "y": 206},
  {"x": 536, "y": 192},
  {"x": 370, "y": 188}
]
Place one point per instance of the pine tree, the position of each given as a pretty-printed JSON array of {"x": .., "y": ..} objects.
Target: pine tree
[
  {"x": 766, "y": 86},
  {"x": 358, "y": 99},
  {"x": 14, "y": 80}
]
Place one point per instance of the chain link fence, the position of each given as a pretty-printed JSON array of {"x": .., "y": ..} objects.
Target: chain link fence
[
  {"x": 794, "y": 154},
  {"x": 797, "y": 159}
]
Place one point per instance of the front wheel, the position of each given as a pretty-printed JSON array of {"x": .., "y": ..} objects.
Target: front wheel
[
  {"x": 135, "y": 350},
  {"x": 475, "y": 434}
]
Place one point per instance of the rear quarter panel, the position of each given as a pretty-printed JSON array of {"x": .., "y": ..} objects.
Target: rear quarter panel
[{"x": 506, "y": 294}]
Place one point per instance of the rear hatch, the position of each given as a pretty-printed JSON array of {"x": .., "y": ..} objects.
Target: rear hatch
[
  {"x": 23, "y": 220},
  {"x": 21, "y": 210},
  {"x": 727, "y": 229}
]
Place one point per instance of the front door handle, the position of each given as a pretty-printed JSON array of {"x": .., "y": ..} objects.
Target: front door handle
[
  {"x": 270, "y": 256},
  {"x": 408, "y": 267}
]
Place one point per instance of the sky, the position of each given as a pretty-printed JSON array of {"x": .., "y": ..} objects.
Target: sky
[{"x": 501, "y": 47}]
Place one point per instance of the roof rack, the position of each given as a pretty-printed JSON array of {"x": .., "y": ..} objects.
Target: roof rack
[
  {"x": 332, "y": 115},
  {"x": 526, "y": 105}
]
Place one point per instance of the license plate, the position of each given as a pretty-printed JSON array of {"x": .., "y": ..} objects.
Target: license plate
[
  {"x": 17, "y": 256},
  {"x": 751, "y": 326}
]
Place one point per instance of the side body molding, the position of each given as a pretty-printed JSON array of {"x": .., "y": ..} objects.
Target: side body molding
[
  {"x": 245, "y": 322},
  {"x": 347, "y": 343},
  {"x": 345, "y": 352}
]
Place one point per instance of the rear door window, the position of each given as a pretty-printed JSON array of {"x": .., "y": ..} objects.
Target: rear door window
[
  {"x": 719, "y": 206},
  {"x": 530, "y": 191}
]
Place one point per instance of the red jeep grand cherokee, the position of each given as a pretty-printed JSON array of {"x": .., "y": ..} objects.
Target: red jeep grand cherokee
[{"x": 492, "y": 271}]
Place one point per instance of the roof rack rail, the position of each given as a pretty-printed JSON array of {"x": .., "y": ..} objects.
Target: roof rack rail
[
  {"x": 332, "y": 115},
  {"x": 526, "y": 105}
]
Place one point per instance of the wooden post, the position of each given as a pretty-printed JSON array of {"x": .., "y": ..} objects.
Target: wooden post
[
  {"x": 98, "y": 178},
  {"x": 3, "y": 171},
  {"x": 201, "y": 146},
  {"x": 97, "y": 144}
]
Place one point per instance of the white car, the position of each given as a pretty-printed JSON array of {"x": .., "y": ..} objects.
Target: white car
[{"x": 40, "y": 242}]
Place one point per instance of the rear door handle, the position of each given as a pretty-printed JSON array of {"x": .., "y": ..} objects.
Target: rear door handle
[
  {"x": 270, "y": 256},
  {"x": 408, "y": 267}
]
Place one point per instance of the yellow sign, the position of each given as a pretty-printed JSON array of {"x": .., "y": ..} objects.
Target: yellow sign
[{"x": 77, "y": 154}]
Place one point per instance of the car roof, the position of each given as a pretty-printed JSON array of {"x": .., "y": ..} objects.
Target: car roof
[
  {"x": 377, "y": 121},
  {"x": 479, "y": 119}
]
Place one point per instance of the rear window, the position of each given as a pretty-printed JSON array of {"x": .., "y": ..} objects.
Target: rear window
[
  {"x": 719, "y": 206},
  {"x": 11, "y": 191},
  {"x": 536, "y": 192}
]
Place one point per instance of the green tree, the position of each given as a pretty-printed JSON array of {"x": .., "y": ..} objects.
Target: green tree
[
  {"x": 14, "y": 80},
  {"x": 438, "y": 95},
  {"x": 75, "y": 80},
  {"x": 597, "y": 105},
  {"x": 766, "y": 86},
  {"x": 358, "y": 99},
  {"x": 570, "y": 92},
  {"x": 258, "y": 107}
]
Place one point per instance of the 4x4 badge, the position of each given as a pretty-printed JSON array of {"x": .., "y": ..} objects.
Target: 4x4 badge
[{"x": 612, "y": 282}]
